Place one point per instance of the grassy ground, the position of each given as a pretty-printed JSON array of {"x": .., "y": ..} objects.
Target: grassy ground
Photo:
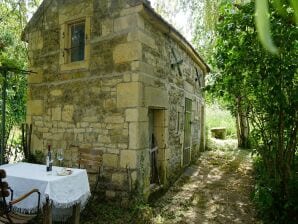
[
  {"x": 216, "y": 116},
  {"x": 107, "y": 213},
  {"x": 216, "y": 189}
]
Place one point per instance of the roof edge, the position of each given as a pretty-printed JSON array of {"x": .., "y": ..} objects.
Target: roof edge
[
  {"x": 176, "y": 35},
  {"x": 34, "y": 19}
]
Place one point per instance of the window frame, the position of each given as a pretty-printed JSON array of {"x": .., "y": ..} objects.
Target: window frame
[
  {"x": 65, "y": 44},
  {"x": 69, "y": 49}
]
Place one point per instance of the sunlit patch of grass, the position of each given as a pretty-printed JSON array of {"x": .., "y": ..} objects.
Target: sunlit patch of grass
[
  {"x": 216, "y": 185},
  {"x": 200, "y": 200},
  {"x": 217, "y": 192},
  {"x": 158, "y": 219},
  {"x": 217, "y": 116},
  {"x": 185, "y": 204},
  {"x": 170, "y": 215},
  {"x": 222, "y": 145},
  {"x": 232, "y": 166}
]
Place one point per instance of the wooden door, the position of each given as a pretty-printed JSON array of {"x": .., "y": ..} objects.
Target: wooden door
[{"x": 187, "y": 132}]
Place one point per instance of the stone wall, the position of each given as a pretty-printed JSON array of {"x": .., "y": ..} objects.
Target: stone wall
[
  {"x": 169, "y": 88},
  {"x": 103, "y": 102}
]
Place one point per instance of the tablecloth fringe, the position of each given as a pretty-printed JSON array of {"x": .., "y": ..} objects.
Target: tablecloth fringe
[
  {"x": 58, "y": 217},
  {"x": 25, "y": 210},
  {"x": 67, "y": 214},
  {"x": 83, "y": 200}
]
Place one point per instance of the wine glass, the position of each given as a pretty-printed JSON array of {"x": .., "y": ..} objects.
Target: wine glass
[{"x": 60, "y": 156}]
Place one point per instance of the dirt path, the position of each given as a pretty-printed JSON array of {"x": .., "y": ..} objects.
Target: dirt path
[{"x": 214, "y": 190}]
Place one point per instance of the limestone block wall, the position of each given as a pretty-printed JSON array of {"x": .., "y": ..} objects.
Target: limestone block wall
[
  {"x": 166, "y": 88},
  {"x": 104, "y": 101},
  {"x": 96, "y": 105}
]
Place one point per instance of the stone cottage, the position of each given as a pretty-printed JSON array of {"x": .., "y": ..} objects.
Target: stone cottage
[{"x": 114, "y": 76}]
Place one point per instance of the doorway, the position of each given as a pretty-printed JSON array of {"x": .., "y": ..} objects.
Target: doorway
[
  {"x": 157, "y": 145},
  {"x": 187, "y": 132}
]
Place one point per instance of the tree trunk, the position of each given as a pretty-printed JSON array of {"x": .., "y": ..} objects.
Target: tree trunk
[{"x": 242, "y": 125}]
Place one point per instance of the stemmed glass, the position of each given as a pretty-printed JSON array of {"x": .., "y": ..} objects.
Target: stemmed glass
[{"x": 60, "y": 156}]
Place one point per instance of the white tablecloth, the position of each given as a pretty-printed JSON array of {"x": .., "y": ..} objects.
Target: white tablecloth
[{"x": 63, "y": 191}]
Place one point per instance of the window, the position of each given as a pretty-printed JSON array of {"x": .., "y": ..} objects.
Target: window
[
  {"x": 77, "y": 42},
  {"x": 187, "y": 132}
]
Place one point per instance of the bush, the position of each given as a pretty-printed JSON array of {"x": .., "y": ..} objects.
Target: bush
[{"x": 273, "y": 204}]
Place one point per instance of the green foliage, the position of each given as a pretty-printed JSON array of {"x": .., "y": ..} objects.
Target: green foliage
[
  {"x": 263, "y": 25},
  {"x": 113, "y": 213},
  {"x": 266, "y": 85},
  {"x": 270, "y": 202},
  {"x": 201, "y": 15},
  {"x": 142, "y": 213},
  {"x": 106, "y": 213},
  {"x": 13, "y": 54},
  {"x": 282, "y": 7}
]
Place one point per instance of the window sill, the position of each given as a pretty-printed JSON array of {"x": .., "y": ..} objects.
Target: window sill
[{"x": 75, "y": 65}]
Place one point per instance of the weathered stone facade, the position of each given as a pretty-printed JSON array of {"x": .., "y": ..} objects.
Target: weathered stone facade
[{"x": 128, "y": 87}]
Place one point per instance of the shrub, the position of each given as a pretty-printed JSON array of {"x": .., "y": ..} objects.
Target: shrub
[{"x": 274, "y": 205}]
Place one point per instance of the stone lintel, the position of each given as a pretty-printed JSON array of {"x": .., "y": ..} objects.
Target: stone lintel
[
  {"x": 129, "y": 94},
  {"x": 156, "y": 97},
  {"x": 136, "y": 114}
]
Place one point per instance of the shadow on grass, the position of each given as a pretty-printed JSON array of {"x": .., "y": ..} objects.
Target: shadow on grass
[
  {"x": 210, "y": 190},
  {"x": 106, "y": 212}
]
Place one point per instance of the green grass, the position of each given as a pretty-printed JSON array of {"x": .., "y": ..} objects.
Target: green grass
[
  {"x": 106, "y": 213},
  {"x": 217, "y": 116}
]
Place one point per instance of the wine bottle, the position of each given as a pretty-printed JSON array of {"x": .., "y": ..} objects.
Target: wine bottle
[{"x": 49, "y": 159}]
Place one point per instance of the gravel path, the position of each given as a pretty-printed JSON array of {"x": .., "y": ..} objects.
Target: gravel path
[{"x": 214, "y": 190}]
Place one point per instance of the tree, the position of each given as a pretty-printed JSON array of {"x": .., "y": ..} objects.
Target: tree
[
  {"x": 13, "y": 54},
  {"x": 263, "y": 85},
  {"x": 201, "y": 16},
  {"x": 263, "y": 21}
]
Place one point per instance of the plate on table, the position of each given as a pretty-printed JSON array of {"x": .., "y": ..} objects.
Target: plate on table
[{"x": 64, "y": 172}]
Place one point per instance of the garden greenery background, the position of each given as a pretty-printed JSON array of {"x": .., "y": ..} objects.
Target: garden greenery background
[{"x": 252, "y": 50}]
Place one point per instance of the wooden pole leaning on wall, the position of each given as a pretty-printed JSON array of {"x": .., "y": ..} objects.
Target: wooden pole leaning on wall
[
  {"x": 4, "y": 94},
  {"x": 26, "y": 139}
]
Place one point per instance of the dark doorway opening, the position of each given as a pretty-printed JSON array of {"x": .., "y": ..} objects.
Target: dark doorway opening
[
  {"x": 157, "y": 145},
  {"x": 187, "y": 133}
]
